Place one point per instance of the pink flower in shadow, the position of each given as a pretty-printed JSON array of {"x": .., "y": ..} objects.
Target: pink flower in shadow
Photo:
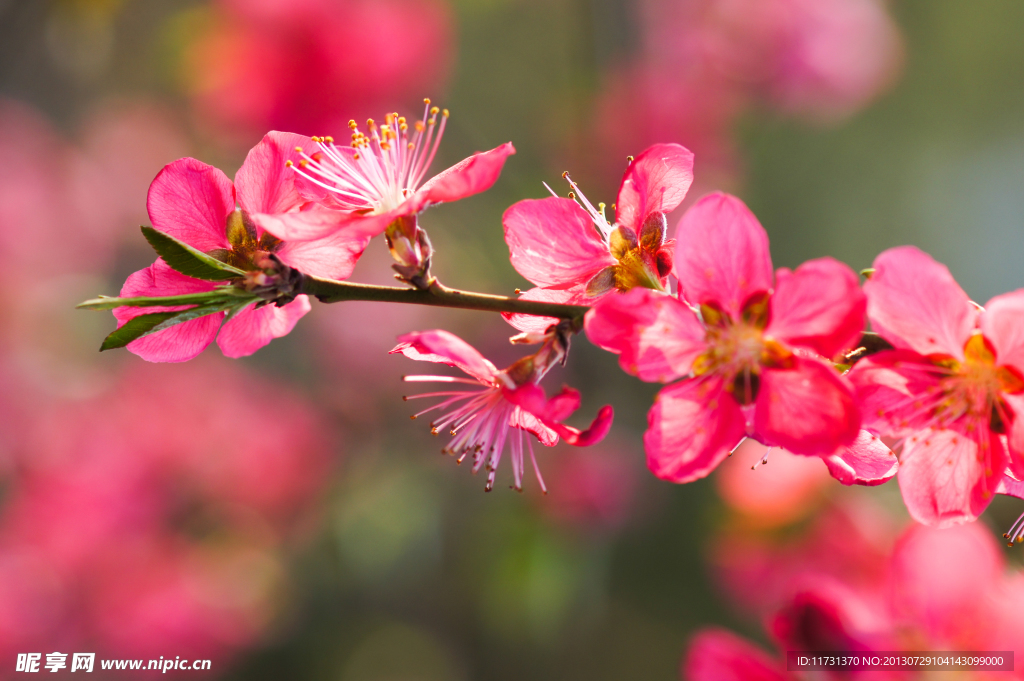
[
  {"x": 951, "y": 392},
  {"x": 501, "y": 406},
  {"x": 754, "y": 362},
  {"x": 196, "y": 203},
  {"x": 573, "y": 255},
  {"x": 275, "y": 64}
]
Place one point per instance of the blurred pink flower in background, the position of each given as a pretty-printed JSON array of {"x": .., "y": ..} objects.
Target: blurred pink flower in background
[
  {"x": 149, "y": 517},
  {"x": 702, "y": 63},
  {"x": 310, "y": 65},
  {"x": 846, "y": 585},
  {"x": 590, "y": 490}
]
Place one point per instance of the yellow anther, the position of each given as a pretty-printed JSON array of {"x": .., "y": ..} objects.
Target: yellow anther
[
  {"x": 426, "y": 100},
  {"x": 629, "y": 159},
  {"x": 303, "y": 163},
  {"x": 355, "y": 156},
  {"x": 288, "y": 164},
  {"x": 403, "y": 127},
  {"x": 565, "y": 175},
  {"x": 445, "y": 113},
  {"x": 330, "y": 140},
  {"x": 352, "y": 125},
  {"x": 401, "y": 120},
  {"x": 572, "y": 195},
  {"x": 411, "y": 146},
  {"x": 298, "y": 150},
  {"x": 434, "y": 110},
  {"x": 370, "y": 124},
  {"x": 419, "y": 126}
]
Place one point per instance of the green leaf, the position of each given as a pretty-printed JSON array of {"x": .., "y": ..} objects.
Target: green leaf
[
  {"x": 136, "y": 327},
  {"x": 187, "y": 260},
  {"x": 146, "y": 324},
  {"x": 111, "y": 302}
]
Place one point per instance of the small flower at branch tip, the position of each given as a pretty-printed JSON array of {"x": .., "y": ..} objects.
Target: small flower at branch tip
[
  {"x": 950, "y": 392},
  {"x": 199, "y": 206},
  {"x": 502, "y": 406},
  {"x": 379, "y": 177},
  {"x": 573, "y": 254},
  {"x": 750, "y": 348}
]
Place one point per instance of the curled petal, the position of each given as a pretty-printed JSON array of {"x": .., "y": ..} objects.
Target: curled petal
[
  {"x": 534, "y": 324},
  {"x": 655, "y": 182},
  {"x": 180, "y": 342},
  {"x": 656, "y": 336},
  {"x": 441, "y": 346},
  {"x": 333, "y": 257},
  {"x": 252, "y": 328},
  {"x": 524, "y": 420},
  {"x": 191, "y": 200},
  {"x": 467, "y": 177},
  {"x": 809, "y": 409},
  {"x": 530, "y": 398},
  {"x": 915, "y": 303},
  {"x": 722, "y": 253},
  {"x": 866, "y": 462},
  {"x": 1015, "y": 435},
  {"x": 691, "y": 428},
  {"x": 1011, "y": 486},
  {"x": 1002, "y": 322},
  {"x": 553, "y": 242},
  {"x": 264, "y": 183},
  {"x": 947, "y": 478},
  {"x": 720, "y": 655},
  {"x": 819, "y": 306}
]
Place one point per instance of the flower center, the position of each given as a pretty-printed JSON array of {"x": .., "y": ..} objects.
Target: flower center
[
  {"x": 381, "y": 168},
  {"x": 738, "y": 350},
  {"x": 972, "y": 392},
  {"x": 248, "y": 250}
]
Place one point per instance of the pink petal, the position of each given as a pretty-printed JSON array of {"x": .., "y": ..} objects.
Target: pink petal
[
  {"x": 890, "y": 388},
  {"x": 809, "y": 409},
  {"x": 656, "y": 337},
  {"x": 531, "y": 399},
  {"x": 656, "y": 181},
  {"x": 1011, "y": 486},
  {"x": 819, "y": 306},
  {"x": 524, "y": 420},
  {"x": 467, "y": 177},
  {"x": 445, "y": 347},
  {"x": 253, "y": 328},
  {"x": 333, "y": 257},
  {"x": 691, "y": 428},
  {"x": 866, "y": 462},
  {"x": 553, "y": 242},
  {"x": 1002, "y": 323},
  {"x": 1015, "y": 435},
  {"x": 314, "y": 223},
  {"x": 191, "y": 201},
  {"x": 719, "y": 655},
  {"x": 915, "y": 303},
  {"x": 532, "y": 323},
  {"x": 722, "y": 253},
  {"x": 264, "y": 183},
  {"x": 943, "y": 580},
  {"x": 181, "y": 342},
  {"x": 942, "y": 479}
]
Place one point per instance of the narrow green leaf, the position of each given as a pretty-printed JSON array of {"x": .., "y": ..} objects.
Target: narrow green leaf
[
  {"x": 146, "y": 324},
  {"x": 188, "y": 260},
  {"x": 111, "y": 302},
  {"x": 136, "y": 327}
]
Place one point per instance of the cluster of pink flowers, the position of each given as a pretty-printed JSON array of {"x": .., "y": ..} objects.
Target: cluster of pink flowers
[
  {"x": 152, "y": 515},
  {"x": 853, "y": 582},
  {"x": 745, "y": 351}
]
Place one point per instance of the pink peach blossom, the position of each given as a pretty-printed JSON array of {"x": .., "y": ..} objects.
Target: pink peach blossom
[
  {"x": 754, "y": 362},
  {"x": 952, "y": 390},
  {"x": 379, "y": 178},
  {"x": 196, "y": 203},
  {"x": 509, "y": 403},
  {"x": 574, "y": 255},
  {"x": 274, "y": 64}
]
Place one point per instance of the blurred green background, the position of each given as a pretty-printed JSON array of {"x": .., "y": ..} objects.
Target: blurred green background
[{"x": 407, "y": 570}]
